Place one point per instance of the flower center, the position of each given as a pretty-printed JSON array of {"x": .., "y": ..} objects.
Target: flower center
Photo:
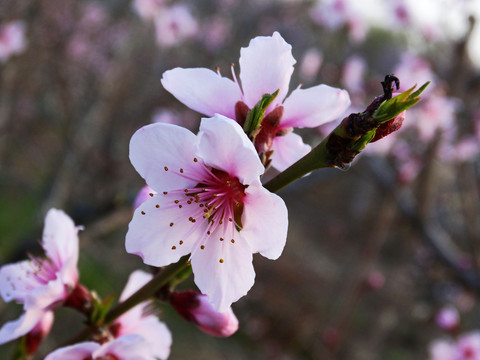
[{"x": 216, "y": 200}]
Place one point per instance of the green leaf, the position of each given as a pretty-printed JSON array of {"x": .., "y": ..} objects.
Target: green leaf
[
  {"x": 100, "y": 309},
  {"x": 394, "y": 106},
  {"x": 256, "y": 115}
]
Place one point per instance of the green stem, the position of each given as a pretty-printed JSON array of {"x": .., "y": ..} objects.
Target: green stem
[{"x": 162, "y": 278}]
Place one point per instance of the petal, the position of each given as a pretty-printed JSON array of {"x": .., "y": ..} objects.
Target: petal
[
  {"x": 265, "y": 222},
  {"x": 287, "y": 150},
  {"x": 135, "y": 281},
  {"x": 47, "y": 296},
  {"x": 314, "y": 106},
  {"x": 151, "y": 236},
  {"x": 74, "y": 352},
  {"x": 154, "y": 331},
  {"x": 60, "y": 241},
  {"x": 14, "y": 329},
  {"x": 17, "y": 281},
  {"x": 223, "y": 270},
  {"x": 157, "y": 147},
  {"x": 203, "y": 90},
  {"x": 266, "y": 65},
  {"x": 222, "y": 144},
  {"x": 127, "y": 347}
]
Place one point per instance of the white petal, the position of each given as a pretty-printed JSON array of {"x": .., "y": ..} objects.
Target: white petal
[
  {"x": 46, "y": 296},
  {"x": 203, "y": 90},
  {"x": 17, "y": 281},
  {"x": 156, "y": 146},
  {"x": 136, "y": 280},
  {"x": 314, "y": 106},
  {"x": 223, "y": 282},
  {"x": 222, "y": 144},
  {"x": 127, "y": 347},
  {"x": 154, "y": 331},
  {"x": 266, "y": 65},
  {"x": 60, "y": 241},
  {"x": 74, "y": 352},
  {"x": 265, "y": 222},
  {"x": 151, "y": 237},
  {"x": 14, "y": 329},
  {"x": 287, "y": 150}
]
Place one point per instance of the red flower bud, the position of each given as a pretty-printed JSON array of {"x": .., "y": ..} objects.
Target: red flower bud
[
  {"x": 194, "y": 307},
  {"x": 389, "y": 126},
  {"x": 35, "y": 337}
]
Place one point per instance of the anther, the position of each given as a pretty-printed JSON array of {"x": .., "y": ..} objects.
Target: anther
[
  {"x": 179, "y": 206},
  {"x": 208, "y": 232},
  {"x": 151, "y": 194},
  {"x": 157, "y": 206},
  {"x": 232, "y": 241},
  {"x": 230, "y": 219},
  {"x": 180, "y": 242},
  {"x": 181, "y": 171},
  {"x": 166, "y": 168},
  {"x": 221, "y": 261},
  {"x": 176, "y": 201},
  {"x": 202, "y": 247},
  {"x": 195, "y": 160},
  {"x": 165, "y": 192},
  {"x": 174, "y": 247},
  {"x": 143, "y": 212},
  {"x": 171, "y": 224},
  {"x": 221, "y": 239}
]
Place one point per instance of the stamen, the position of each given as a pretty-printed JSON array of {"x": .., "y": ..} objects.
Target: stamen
[
  {"x": 221, "y": 261},
  {"x": 166, "y": 168}
]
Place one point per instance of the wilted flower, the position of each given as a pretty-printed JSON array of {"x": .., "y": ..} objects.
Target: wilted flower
[{"x": 209, "y": 203}]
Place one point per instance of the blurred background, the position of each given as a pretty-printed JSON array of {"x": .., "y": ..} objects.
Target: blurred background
[{"x": 375, "y": 255}]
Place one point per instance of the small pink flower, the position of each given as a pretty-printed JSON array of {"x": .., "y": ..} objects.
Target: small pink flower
[
  {"x": 137, "y": 321},
  {"x": 42, "y": 284},
  {"x": 447, "y": 318},
  {"x": 128, "y": 347},
  {"x": 266, "y": 65},
  {"x": 148, "y": 9},
  {"x": 209, "y": 203},
  {"x": 12, "y": 39},
  {"x": 175, "y": 24},
  {"x": 195, "y": 307}
]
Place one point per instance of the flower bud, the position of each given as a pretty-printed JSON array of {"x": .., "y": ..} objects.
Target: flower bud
[
  {"x": 389, "y": 126},
  {"x": 80, "y": 299},
  {"x": 194, "y": 307},
  {"x": 35, "y": 337}
]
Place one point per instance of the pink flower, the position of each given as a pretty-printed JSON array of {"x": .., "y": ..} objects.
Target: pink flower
[
  {"x": 442, "y": 350},
  {"x": 42, "y": 284},
  {"x": 468, "y": 346},
  {"x": 175, "y": 24},
  {"x": 195, "y": 307},
  {"x": 138, "y": 321},
  {"x": 148, "y": 9},
  {"x": 447, "y": 318},
  {"x": 128, "y": 347},
  {"x": 210, "y": 204},
  {"x": 266, "y": 65},
  {"x": 12, "y": 39}
]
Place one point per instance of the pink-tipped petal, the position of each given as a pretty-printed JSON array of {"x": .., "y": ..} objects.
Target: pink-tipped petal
[
  {"x": 266, "y": 65},
  {"x": 224, "y": 145},
  {"x": 203, "y": 90},
  {"x": 265, "y": 220},
  {"x": 60, "y": 241},
  {"x": 46, "y": 296},
  {"x": 14, "y": 329},
  {"x": 223, "y": 270},
  {"x": 287, "y": 150},
  {"x": 314, "y": 106},
  {"x": 158, "y": 152},
  {"x": 154, "y": 233},
  {"x": 79, "y": 351}
]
